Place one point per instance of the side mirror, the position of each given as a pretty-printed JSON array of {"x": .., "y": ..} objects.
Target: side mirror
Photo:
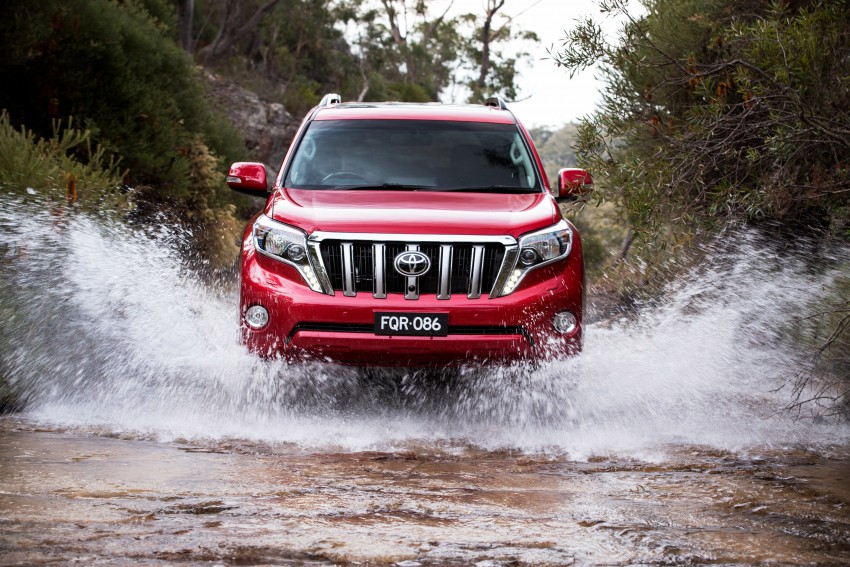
[
  {"x": 248, "y": 178},
  {"x": 572, "y": 183}
]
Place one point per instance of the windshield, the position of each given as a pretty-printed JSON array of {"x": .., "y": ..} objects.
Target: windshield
[{"x": 426, "y": 155}]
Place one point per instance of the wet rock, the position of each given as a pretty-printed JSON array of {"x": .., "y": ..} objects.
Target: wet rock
[{"x": 216, "y": 507}]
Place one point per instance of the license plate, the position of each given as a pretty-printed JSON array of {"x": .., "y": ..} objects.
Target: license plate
[{"x": 415, "y": 324}]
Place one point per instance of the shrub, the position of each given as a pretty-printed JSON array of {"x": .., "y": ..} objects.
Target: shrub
[
  {"x": 63, "y": 168},
  {"x": 722, "y": 111},
  {"x": 117, "y": 69}
]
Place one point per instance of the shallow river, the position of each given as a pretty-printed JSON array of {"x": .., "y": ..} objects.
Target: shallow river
[
  {"x": 151, "y": 436},
  {"x": 75, "y": 496}
]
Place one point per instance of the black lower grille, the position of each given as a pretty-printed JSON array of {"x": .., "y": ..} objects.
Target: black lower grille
[{"x": 367, "y": 328}]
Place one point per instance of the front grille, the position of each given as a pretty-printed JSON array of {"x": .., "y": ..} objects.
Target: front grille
[{"x": 468, "y": 268}]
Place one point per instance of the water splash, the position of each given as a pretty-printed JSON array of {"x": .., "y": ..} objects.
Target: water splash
[{"x": 102, "y": 327}]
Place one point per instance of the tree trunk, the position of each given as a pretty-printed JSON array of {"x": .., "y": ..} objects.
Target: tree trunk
[
  {"x": 399, "y": 39},
  {"x": 626, "y": 244},
  {"x": 493, "y": 6},
  {"x": 186, "y": 12}
]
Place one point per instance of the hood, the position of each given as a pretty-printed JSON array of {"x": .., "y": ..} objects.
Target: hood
[{"x": 413, "y": 212}]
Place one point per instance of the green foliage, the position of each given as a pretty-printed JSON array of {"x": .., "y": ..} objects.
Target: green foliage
[
  {"x": 297, "y": 50},
  {"x": 719, "y": 110},
  {"x": 288, "y": 51},
  {"x": 499, "y": 76},
  {"x": 218, "y": 231},
  {"x": 300, "y": 48},
  {"x": 556, "y": 147},
  {"x": 116, "y": 66},
  {"x": 163, "y": 13},
  {"x": 408, "y": 92},
  {"x": 63, "y": 168},
  {"x": 408, "y": 49}
]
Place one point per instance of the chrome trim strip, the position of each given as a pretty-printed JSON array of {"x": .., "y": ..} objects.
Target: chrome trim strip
[
  {"x": 412, "y": 282},
  {"x": 314, "y": 254},
  {"x": 444, "y": 290},
  {"x": 379, "y": 263},
  {"x": 477, "y": 268},
  {"x": 508, "y": 265},
  {"x": 319, "y": 236},
  {"x": 348, "y": 269}
]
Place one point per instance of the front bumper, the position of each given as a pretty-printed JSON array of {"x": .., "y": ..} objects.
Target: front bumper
[{"x": 304, "y": 324}]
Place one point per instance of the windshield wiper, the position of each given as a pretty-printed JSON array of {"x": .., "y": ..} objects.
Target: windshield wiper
[
  {"x": 380, "y": 186},
  {"x": 492, "y": 189},
  {"x": 406, "y": 187}
]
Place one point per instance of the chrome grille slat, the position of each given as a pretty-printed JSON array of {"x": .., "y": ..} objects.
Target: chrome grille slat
[
  {"x": 354, "y": 263},
  {"x": 348, "y": 269},
  {"x": 379, "y": 270},
  {"x": 445, "y": 276},
  {"x": 475, "y": 276},
  {"x": 411, "y": 289}
]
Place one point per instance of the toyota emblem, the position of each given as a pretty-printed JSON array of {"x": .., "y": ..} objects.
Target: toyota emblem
[{"x": 412, "y": 264}]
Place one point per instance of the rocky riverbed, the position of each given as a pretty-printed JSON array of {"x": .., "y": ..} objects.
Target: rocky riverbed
[{"x": 89, "y": 496}]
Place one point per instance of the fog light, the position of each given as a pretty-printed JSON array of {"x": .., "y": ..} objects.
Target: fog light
[
  {"x": 565, "y": 322},
  {"x": 256, "y": 317}
]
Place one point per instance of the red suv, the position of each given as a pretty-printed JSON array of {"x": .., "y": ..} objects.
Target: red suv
[{"x": 412, "y": 235}]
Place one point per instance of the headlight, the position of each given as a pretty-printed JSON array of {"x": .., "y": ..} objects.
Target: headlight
[
  {"x": 286, "y": 244},
  {"x": 537, "y": 249},
  {"x": 545, "y": 245}
]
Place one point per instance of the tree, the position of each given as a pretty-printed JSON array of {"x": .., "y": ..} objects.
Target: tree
[
  {"x": 407, "y": 52},
  {"x": 723, "y": 110},
  {"x": 486, "y": 37},
  {"x": 289, "y": 51},
  {"x": 493, "y": 72},
  {"x": 237, "y": 20},
  {"x": 404, "y": 51},
  {"x": 116, "y": 68}
]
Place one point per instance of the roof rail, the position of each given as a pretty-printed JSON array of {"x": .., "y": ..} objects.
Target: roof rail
[
  {"x": 330, "y": 99},
  {"x": 496, "y": 102}
]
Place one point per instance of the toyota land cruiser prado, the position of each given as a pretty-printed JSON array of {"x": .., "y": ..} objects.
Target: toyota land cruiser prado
[{"x": 414, "y": 235}]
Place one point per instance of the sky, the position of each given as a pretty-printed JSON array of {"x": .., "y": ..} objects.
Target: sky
[{"x": 548, "y": 97}]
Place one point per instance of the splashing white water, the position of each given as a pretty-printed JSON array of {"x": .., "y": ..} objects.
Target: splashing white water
[{"x": 102, "y": 327}]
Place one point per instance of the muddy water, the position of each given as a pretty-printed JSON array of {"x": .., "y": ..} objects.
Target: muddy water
[{"x": 78, "y": 496}]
